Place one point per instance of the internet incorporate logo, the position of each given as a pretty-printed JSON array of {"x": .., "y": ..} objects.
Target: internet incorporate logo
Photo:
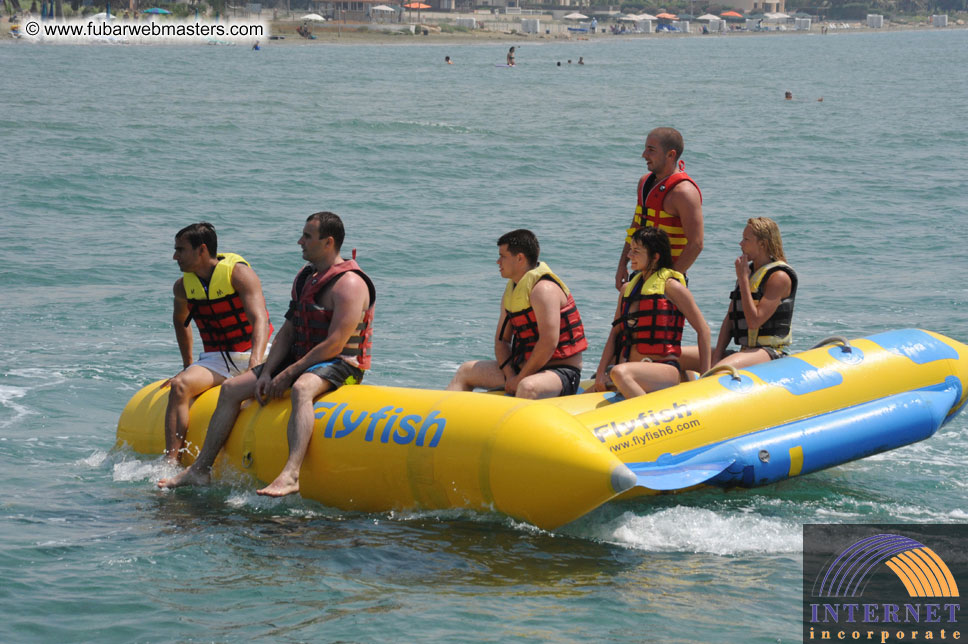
[
  {"x": 909, "y": 591},
  {"x": 919, "y": 568}
]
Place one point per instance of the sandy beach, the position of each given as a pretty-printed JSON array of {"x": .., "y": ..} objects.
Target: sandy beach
[
  {"x": 430, "y": 33},
  {"x": 438, "y": 28}
]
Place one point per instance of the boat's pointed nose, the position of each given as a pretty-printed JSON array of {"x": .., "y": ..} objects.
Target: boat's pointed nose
[{"x": 623, "y": 479}]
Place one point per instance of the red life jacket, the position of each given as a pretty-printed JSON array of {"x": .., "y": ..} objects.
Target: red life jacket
[
  {"x": 524, "y": 325},
  {"x": 311, "y": 321},
  {"x": 221, "y": 320},
  {"x": 654, "y": 326},
  {"x": 649, "y": 209}
]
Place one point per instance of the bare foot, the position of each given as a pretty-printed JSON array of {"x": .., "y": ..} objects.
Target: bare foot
[
  {"x": 284, "y": 485},
  {"x": 188, "y": 477}
]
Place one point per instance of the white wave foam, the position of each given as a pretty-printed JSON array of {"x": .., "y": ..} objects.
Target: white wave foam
[
  {"x": 135, "y": 470},
  {"x": 94, "y": 460},
  {"x": 8, "y": 395},
  {"x": 697, "y": 530},
  {"x": 249, "y": 499}
]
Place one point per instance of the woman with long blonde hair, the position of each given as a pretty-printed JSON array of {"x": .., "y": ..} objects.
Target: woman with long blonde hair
[{"x": 760, "y": 314}]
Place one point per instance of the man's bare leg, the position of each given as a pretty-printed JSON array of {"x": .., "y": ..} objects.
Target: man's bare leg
[
  {"x": 543, "y": 384},
  {"x": 191, "y": 382},
  {"x": 299, "y": 432},
  {"x": 477, "y": 373},
  {"x": 233, "y": 393}
]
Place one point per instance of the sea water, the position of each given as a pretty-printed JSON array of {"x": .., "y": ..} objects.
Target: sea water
[{"x": 108, "y": 150}]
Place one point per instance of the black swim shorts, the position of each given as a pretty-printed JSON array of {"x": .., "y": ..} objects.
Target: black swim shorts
[
  {"x": 570, "y": 378},
  {"x": 775, "y": 354},
  {"x": 338, "y": 372}
]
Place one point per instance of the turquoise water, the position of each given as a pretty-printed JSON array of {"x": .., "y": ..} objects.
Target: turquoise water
[{"x": 110, "y": 150}]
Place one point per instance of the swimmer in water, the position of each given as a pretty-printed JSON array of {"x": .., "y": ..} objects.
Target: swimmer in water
[
  {"x": 448, "y": 60},
  {"x": 511, "y": 57}
]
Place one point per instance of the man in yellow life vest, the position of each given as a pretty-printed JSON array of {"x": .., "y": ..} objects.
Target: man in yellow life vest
[
  {"x": 223, "y": 295},
  {"x": 323, "y": 345},
  {"x": 667, "y": 199},
  {"x": 540, "y": 336}
]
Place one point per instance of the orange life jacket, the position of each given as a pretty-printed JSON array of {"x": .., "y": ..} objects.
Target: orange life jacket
[
  {"x": 311, "y": 321},
  {"x": 654, "y": 326},
  {"x": 649, "y": 208},
  {"x": 524, "y": 325},
  {"x": 218, "y": 310}
]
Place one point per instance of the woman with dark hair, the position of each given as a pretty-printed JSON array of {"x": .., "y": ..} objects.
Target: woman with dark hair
[{"x": 643, "y": 348}]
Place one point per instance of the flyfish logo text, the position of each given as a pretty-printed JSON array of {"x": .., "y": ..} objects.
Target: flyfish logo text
[{"x": 385, "y": 424}]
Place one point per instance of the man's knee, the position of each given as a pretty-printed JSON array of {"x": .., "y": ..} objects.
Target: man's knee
[
  {"x": 526, "y": 389},
  {"x": 237, "y": 389},
  {"x": 530, "y": 388},
  {"x": 179, "y": 388},
  {"x": 307, "y": 387},
  {"x": 466, "y": 369}
]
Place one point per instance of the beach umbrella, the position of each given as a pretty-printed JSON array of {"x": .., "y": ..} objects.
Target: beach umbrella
[
  {"x": 645, "y": 16},
  {"x": 708, "y": 16},
  {"x": 156, "y": 10},
  {"x": 666, "y": 16},
  {"x": 731, "y": 14},
  {"x": 418, "y": 6},
  {"x": 576, "y": 16},
  {"x": 103, "y": 16},
  {"x": 629, "y": 18},
  {"x": 314, "y": 17},
  {"x": 382, "y": 7}
]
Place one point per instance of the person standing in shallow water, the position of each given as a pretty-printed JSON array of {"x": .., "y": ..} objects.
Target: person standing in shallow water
[
  {"x": 511, "y": 57},
  {"x": 324, "y": 344},
  {"x": 223, "y": 295}
]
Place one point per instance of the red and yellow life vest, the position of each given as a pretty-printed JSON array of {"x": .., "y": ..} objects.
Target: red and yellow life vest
[
  {"x": 218, "y": 310},
  {"x": 650, "y": 321},
  {"x": 311, "y": 321},
  {"x": 524, "y": 325},
  {"x": 649, "y": 208}
]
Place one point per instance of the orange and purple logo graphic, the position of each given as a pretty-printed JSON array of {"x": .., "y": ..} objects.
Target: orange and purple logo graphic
[
  {"x": 919, "y": 568},
  {"x": 883, "y": 583}
]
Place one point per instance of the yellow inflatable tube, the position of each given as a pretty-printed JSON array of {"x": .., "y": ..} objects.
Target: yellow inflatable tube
[
  {"x": 549, "y": 462},
  {"x": 387, "y": 448}
]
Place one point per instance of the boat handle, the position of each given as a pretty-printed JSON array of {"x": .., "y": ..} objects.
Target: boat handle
[
  {"x": 723, "y": 367},
  {"x": 839, "y": 339}
]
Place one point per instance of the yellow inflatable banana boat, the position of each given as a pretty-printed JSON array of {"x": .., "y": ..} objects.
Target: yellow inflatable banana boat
[{"x": 549, "y": 462}]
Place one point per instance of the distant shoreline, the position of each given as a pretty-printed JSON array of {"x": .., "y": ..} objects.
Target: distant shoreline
[
  {"x": 362, "y": 34},
  {"x": 283, "y": 32}
]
